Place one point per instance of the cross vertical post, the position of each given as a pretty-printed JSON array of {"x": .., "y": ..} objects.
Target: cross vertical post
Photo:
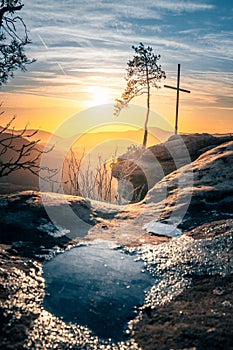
[
  {"x": 178, "y": 89},
  {"x": 177, "y": 98}
]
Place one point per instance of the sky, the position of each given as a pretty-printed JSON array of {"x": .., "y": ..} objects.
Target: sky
[{"x": 82, "y": 48}]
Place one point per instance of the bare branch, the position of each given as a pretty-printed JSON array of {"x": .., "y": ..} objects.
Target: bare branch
[
  {"x": 18, "y": 153},
  {"x": 86, "y": 181}
]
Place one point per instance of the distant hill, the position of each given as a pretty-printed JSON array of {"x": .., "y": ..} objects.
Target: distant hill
[
  {"x": 155, "y": 135},
  {"x": 9, "y": 155},
  {"x": 41, "y": 135},
  {"x": 105, "y": 144}
]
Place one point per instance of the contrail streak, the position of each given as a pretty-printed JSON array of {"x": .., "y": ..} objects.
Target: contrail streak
[{"x": 47, "y": 48}]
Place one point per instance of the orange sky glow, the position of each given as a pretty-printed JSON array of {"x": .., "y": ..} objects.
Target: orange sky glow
[{"x": 48, "y": 113}]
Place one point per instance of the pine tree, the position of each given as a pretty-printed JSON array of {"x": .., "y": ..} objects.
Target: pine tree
[{"x": 143, "y": 73}]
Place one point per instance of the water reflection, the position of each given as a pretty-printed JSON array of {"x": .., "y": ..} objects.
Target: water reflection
[{"x": 97, "y": 286}]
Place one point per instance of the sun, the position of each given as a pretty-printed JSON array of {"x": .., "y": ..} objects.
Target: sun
[{"x": 97, "y": 96}]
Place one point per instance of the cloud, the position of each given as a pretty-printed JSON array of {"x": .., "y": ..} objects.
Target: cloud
[
  {"x": 224, "y": 101},
  {"x": 90, "y": 42},
  {"x": 188, "y": 6}
]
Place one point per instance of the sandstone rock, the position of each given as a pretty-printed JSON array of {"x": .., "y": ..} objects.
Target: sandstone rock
[
  {"x": 206, "y": 184},
  {"x": 139, "y": 170},
  {"x": 196, "y": 193}
]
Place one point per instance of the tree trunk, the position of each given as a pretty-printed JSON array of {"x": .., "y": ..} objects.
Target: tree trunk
[
  {"x": 145, "y": 130},
  {"x": 147, "y": 112}
]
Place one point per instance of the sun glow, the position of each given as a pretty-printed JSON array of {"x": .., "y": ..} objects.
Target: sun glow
[{"x": 97, "y": 96}]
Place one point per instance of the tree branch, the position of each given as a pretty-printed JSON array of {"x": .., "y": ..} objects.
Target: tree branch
[
  {"x": 10, "y": 9},
  {"x": 18, "y": 153}
]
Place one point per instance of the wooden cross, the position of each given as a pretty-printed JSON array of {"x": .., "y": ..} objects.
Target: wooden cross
[{"x": 178, "y": 89}]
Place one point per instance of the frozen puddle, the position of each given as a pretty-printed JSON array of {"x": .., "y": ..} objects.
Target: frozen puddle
[{"x": 97, "y": 286}]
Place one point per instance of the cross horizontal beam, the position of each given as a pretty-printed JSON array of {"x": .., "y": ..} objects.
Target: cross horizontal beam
[
  {"x": 178, "y": 89},
  {"x": 175, "y": 88}
]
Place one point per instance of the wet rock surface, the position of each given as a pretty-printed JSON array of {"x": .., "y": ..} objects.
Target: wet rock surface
[
  {"x": 197, "y": 277},
  {"x": 199, "y": 318},
  {"x": 25, "y": 324},
  {"x": 189, "y": 304}
]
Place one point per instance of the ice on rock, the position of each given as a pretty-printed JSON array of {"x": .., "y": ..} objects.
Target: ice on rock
[
  {"x": 3, "y": 202},
  {"x": 162, "y": 229},
  {"x": 53, "y": 230}
]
